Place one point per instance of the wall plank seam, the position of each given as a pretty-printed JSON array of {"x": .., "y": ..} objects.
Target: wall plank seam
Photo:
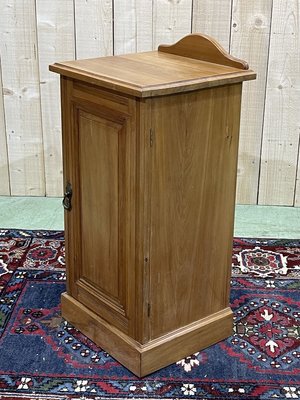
[
  {"x": 75, "y": 30},
  {"x": 230, "y": 29},
  {"x": 264, "y": 114},
  {"x": 297, "y": 180},
  {"x": 40, "y": 96},
  {"x": 35, "y": 33},
  {"x": 5, "y": 175}
]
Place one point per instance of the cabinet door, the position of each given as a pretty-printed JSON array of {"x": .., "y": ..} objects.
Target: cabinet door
[{"x": 99, "y": 163}]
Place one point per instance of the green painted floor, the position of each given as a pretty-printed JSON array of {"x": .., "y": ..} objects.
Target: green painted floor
[{"x": 250, "y": 221}]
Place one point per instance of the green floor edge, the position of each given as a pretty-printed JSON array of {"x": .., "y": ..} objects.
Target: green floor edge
[{"x": 250, "y": 220}]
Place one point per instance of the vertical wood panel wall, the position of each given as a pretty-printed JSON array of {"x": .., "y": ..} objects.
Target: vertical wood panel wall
[{"x": 35, "y": 33}]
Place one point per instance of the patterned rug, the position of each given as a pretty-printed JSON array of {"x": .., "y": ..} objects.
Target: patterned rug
[{"x": 44, "y": 357}]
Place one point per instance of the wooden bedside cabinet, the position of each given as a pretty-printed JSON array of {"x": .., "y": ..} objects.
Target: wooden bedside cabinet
[{"x": 150, "y": 144}]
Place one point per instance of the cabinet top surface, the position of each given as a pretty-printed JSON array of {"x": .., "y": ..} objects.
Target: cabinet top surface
[{"x": 155, "y": 73}]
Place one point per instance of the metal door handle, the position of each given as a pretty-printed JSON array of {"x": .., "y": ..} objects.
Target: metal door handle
[{"x": 68, "y": 197}]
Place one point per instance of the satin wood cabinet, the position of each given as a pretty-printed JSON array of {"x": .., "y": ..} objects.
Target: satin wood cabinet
[{"x": 150, "y": 145}]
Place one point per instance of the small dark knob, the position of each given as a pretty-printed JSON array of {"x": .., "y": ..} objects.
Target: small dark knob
[{"x": 68, "y": 197}]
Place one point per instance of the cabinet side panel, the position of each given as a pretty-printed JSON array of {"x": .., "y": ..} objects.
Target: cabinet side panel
[{"x": 193, "y": 190}]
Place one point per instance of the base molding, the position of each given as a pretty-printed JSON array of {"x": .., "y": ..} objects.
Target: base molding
[{"x": 156, "y": 354}]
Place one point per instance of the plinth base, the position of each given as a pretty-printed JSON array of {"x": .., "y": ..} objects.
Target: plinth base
[{"x": 158, "y": 353}]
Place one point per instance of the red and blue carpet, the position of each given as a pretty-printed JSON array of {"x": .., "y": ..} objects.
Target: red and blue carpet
[{"x": 44, "y": 357}]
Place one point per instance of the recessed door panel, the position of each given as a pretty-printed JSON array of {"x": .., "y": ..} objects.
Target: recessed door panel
[
  {"x": 99, "y": 160},
  {"x": 103, "y": 274}
]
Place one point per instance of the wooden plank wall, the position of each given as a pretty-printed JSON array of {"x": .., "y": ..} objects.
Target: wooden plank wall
[{"x": 35, "y": 33}]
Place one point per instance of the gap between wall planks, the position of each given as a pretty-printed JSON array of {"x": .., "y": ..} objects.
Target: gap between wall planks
[
  {"x": 36, "y": 33},
  {"x": 250, "y": 40},
  {"x": 132, "y": 26},
  {"x": 94, "y": 28},
  {"x": 171, "y": 21},
  {"x": 214, "y": 19},
  {"x": 22, "y": 105},
  {"x": 280, "y": 145},
  {"x": 55, "y": 27},
  {"x": 4, "y": 173}
]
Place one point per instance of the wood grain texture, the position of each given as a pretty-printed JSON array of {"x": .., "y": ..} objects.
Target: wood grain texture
[
  {"x": 214, "y": 19},
  {"x": 143, "y": 219},
  {"x": 133, "y": 26},
  {"x": 250, "y": 38},
  {"x": 193, "y": 181},
  {"x": 142, "y": 26},
  {"x": 125, "y": 27},
  {"x": 281, "y": 122},
  {"x": 94, "y": 28},
  {"x": 102, "y": 177},
  {"x": 149, "y": 247},
  {"x": 4, "y": 173},
  {"x": 125, "y": 349},
  {"x": 55, "y": 32},
  {"x": 171, "y": 20},
  {"x": 20, "y": 75},
  {"x": 205, "y": 48},
  {"x": 100, "y": 137},
  {"x": 99, "y": 161},
  {"x": 176, "y": 73},
  {"x": 144, "y": 359},
  {"x": 194, "y": 337}
]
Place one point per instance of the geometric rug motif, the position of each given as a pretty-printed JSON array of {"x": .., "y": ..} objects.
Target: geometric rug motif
[{"x": 42, "y": 356}]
